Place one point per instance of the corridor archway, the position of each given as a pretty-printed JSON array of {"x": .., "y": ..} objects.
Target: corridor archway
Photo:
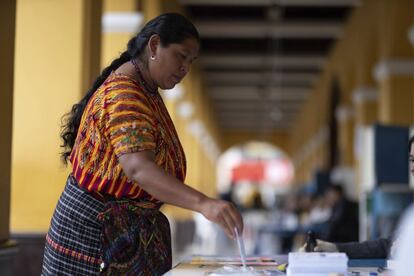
[{"x": 254, "y": 167}]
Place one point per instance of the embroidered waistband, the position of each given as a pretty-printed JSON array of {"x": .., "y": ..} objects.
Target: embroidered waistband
[{"x": 124, "y": 202}]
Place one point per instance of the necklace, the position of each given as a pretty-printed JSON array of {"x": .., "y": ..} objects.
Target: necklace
[{"x": 147, "y": 87}]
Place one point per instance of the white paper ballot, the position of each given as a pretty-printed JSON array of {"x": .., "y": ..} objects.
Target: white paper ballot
[{"x": 303, "y": 263}]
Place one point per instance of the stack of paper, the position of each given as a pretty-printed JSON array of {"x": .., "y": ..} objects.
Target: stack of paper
[
  {"x": 317, "y": 264},
  {"x": 206, "y": 260},
  {"x": 391, "y": 264}
]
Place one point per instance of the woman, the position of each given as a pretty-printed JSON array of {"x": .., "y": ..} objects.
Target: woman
[{"x": 126, "y": 162}]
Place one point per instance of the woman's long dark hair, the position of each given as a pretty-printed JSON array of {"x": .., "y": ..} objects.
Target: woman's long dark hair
[{"x": 171, "y": 28}]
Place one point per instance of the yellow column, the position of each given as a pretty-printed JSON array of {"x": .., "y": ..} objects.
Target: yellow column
[
  {"x": 367, "y": 45},
  {"x": 49, "y": 79},
  {"x": 345, "y": 172},
  {"x": 395, "y": 70},
  {"x": 396, "y": 99},
  {"x": 153, "y": 8},
  {"x": 187, "y": 140},
  {"x": 345, "y": 118},
  {"x": 7, "y": 29},
  {"x": 365, "y": 94},
  {"x": 193, "y": 147},
  {"x": 394, "y": 19},
  {"x": 91, "y": 41},
  {"x": 116, "y": 34},
  {"x": 365, "y": 101}
]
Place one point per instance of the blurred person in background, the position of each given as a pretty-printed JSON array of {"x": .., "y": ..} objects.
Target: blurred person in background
[
  {"x": 319, "y": 213},
  {"x": 342, "y": 231},
  {"x": 127, "y": 161},
  {"x": 342, "y": 225},
  {"x": 400, "y": 248},
  {"x": 379, "y": 248}
]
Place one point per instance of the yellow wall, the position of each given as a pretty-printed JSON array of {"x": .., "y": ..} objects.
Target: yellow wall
[
  {"x": 113, "y": 44},
  {"x": 396, "y": 100},
  {"x": 91, "y": 42},
  {"x": 120, "y": 5},
  {"x": 48, "y": 80},
  {"x": 375, "y": 31}
]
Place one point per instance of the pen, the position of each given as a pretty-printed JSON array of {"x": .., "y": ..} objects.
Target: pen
[{"x": 241, "y": 248}]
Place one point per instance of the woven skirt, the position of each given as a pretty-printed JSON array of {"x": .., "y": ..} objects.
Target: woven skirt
[
  {"x": 132, "y": 246},
  {"x": 73, "y": 244},
  {"x": 122, "y": 237}
]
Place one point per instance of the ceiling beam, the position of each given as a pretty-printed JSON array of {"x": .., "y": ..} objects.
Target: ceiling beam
[
  {"x": 261, "y": 78},
  {"x": 226, "y": 2},
  {"x": 121, "y": 22},
  {"x": 253, "y": 92},
  {"x": 271, "y": 97},
  {"x": 255, "y": 121},
  {"x": 256, "y": 126},
  {"x": 251, "y": 60},
  {"x": 271, "y": 2},
  {"x": 312, "y": 3},
  {"x": 251, "y": 113},
  {"x": 263, "y": 29},
  {"x": 251, "y": 116},
  {"x": 243, "y": 106}
]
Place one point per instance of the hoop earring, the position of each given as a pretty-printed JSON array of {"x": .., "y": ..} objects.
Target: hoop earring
[{"x": 152, "y": 57}]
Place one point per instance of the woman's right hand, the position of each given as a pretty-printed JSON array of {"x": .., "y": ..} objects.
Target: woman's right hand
[
  {"x": 223, "y": 213},
  {"x": 324, "y": 246},
  {"x": 321, "y": 246}
]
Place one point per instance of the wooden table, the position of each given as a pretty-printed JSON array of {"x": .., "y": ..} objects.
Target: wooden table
[{"x": 200, "y": 265}]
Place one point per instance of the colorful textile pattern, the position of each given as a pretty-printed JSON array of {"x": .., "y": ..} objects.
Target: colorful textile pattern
[
  {"x": 123, "y": 118},
  {"x": 135, "y": 239},
  {"x": 73, "y": 241}
]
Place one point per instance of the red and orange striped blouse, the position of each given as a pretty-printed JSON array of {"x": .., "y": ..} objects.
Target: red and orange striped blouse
[{"x": 121, "y": 117}]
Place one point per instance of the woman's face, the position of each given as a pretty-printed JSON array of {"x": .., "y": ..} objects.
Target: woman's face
[
  {"x": 411, "y": 159},
  {"x": 173, "y": 62}
]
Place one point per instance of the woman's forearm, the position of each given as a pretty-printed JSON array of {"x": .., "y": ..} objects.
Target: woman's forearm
[
  {"x": 140, "y": 167},
  {"x": 166, "y": 188}
]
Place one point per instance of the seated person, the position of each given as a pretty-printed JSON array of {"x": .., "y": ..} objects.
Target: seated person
[
  {"x": 375, "y": 249},
  {"x": 342, "y": 225},
  {"x": 379, "y": 248}
]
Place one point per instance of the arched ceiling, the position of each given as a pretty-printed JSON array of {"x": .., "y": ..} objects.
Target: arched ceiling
[{"x": 262, "y": 57}]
